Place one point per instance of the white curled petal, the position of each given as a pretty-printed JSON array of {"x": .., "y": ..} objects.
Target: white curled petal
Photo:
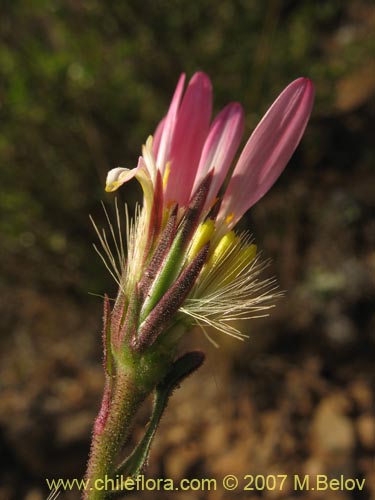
[{"x": 118, "y": 176}]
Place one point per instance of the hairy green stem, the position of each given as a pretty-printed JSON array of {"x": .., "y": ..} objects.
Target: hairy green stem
[
  {"x": 136, "y": 376},
  {"x": 111, "y": 429}
]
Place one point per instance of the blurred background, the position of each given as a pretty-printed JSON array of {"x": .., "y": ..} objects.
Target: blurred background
[{"x": 82, "y": 84}]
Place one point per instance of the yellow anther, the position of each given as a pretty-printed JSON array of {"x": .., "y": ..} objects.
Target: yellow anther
[
  {"x": 229, "y": 218},
  {"x": 247, "y": 254},
  {"x": 222, "y": 247},
  {"x": 201, "y": 237},
  {"x": 166, "y": 174}
]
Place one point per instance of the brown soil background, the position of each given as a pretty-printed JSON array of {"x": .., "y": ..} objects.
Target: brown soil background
[{"x": 297, "y": 397}]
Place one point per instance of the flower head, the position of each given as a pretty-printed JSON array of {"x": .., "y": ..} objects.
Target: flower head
[{"x": 185, "y": 264}]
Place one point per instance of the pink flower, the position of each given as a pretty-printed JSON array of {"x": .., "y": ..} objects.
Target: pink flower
[
  {"x": 183, "y": 264},
  {"x": 186, "y": 147},
  {"x": 183, "y": 255}
]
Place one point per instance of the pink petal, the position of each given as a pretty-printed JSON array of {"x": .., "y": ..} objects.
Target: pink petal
[
  {"x": 157, "y": 137},
  {"x": 169, "y": 126},
  {"x": 269, "y": 149},
  {"x": 221, "y": 146},
  {"x": 189, "y": 135}
]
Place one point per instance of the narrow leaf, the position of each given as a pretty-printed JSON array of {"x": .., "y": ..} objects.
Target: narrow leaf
[{"x": 182, "y": 368}]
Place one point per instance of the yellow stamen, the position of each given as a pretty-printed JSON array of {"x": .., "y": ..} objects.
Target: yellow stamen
[
  {"x": 166, "y": 174},
  {"x": 247, "y": 254},
  {"x": 221, "y": 248},
  {"x": 238, "y": 262},
  {"x": 229, "y": 218},
  {"x": 201, "y": 237}
]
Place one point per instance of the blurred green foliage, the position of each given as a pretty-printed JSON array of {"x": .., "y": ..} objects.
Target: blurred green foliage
[{"x": 82, "y": 84}]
